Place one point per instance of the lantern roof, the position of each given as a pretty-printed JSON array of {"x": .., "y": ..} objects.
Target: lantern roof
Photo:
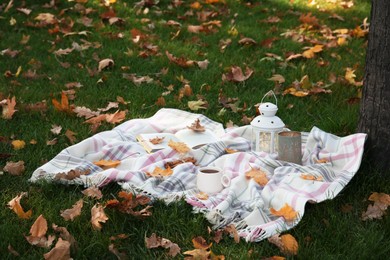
[{"x": 271, "y": 123}]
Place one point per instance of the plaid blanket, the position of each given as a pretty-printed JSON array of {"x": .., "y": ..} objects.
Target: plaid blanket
[{"x": 332, "y": 161}]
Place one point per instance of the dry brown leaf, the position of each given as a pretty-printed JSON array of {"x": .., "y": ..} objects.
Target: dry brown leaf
[
  {"x": 179, "y": 147},
  {"x": 286, "y": 243},
  {"x": 64, "y": 105},
  {"x": 107, "y": 164},
  {"x": 236, "y": 75},
  {"x": 277, "y": 78},
  {"x": 38, "y": 233},
  {"x": 8, "y": 106},
  {"x": 55, "y": 129},
  {"x": 247, "y": 41},
  {"x": 381, "y": 198},
  {"x": 231, "y": 229},
  {"x": 154, "y": 242},
  {"x": 258, "y": 176},
  {"x": 374, "y": 211},
  {"x": 71, "y": 136},
  {"x": 157, "y": 140},
  {"x": 116, "y": 252},
  {"x": 161, "y": 102},
  {"x": 310, "y": 53},
  {"x": 182, "y": 62},
  {"x": 196, "y": 126},
  {"x": 14, "y": 168},
  {"x": 201, "y": 254},
  {"x": 65, "y": 235},
  {"x": 61, "y": 251},
  {"x": 105, "y": 63},
  {"x": 93, "y": 192},
  {"x": 14, "y": 205},
  {"x": 98, "y": 216},
  {"x": 72, "y": 174},
  {"x": 12, "y": 251},
  {"x": 308, "y": 19},
  {"x": 287, "y": 212},
  {"x": 174, "y": 163},
  {"x": 75, "y": 211},
  {"x": 115, "y": 118}
]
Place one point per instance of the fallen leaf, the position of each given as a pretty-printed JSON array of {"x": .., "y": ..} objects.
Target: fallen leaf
[
  {"x": 71, "y": 136},
  {"x": 98, "y": 216},
  {"x": 198, "y": 254},
  {"x": 311, "y": 177},
  {"x": 8, "y": 108},
  {"x": 93, "y": 192},
  {"x": 75, "y": 211},
  {"x": 105, "y": 63},
  {"x": 64, "y": 105},
  {"x": 12, "y": 250},
  {"x": 72, "y": 174},
  {"x": 56, "y": 129},
  {"x": 159, "y": 172},
  {"x": 65, "y": 235},
  {"x": 179, "y": 147},
  {"x": 196, "y": 126},
  {"x": 18, "y": 144},
  {"x": 198, "y": 104},
  {"x": 14, "y": 168},
  {"x": 259, "y": 176},
  {"x": 154, "y": 242},
  {"x": 277, "y": 78},
  {"x": 182, "y": 62},
  {"x": 287, "y": 212},
  {"x": 106, "y": 164},
  {"x": 38, "y": 231},
  {"x": 202, "y": 196},
  {"x": 310, "y": 53},
  {"x": 231, "y": 229},
  {"x": 286, "y": 243},
  {"x": 61, "y": 251},
  {"x": 116, "y": 117},
  {"x": 46, "y": 18},
  {"x": 236, "y": 75},
  {"x": 14, "y": 205}
]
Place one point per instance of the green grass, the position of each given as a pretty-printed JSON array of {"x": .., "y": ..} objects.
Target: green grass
[{"x": 325, "y": 232}]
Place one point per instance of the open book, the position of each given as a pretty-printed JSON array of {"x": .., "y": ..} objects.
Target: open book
[{"x": 153, "y": 142}]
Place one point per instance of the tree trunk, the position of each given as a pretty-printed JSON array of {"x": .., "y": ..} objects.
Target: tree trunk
[{"x": 375, "y": 104}]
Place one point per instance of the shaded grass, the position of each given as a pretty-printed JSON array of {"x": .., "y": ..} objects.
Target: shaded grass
[{"x": 325, "y": 232}]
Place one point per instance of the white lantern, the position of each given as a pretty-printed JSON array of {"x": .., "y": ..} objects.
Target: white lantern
[{"x": 266, "y": 126}]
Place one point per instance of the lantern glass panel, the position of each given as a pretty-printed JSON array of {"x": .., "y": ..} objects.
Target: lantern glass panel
[{"x": 265, "y": 141}]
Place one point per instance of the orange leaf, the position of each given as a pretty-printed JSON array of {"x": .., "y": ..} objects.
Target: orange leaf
[
  {"x": 311, "y": 177},
  {"x": 115, "y": 118},
  {"x": 380, "y": 197},
  {"x": 159, "y": 172},
  {"x": 310, "y": 53},
  {"x": 202, "y": 195},
  {"x": 196, "y": 126},
  {"x": 14, "y": 204},
  {"x": 286, "y": 211},
  {"x": 200, "y": 243},
  {"x": 198, "y": 253},
  {"x": 290, "y": 244},
  {"x": 98, "y": 216},
  {"x": 106, "y": 164},
  {"x": 64, "y": 105},
  {"x": 39, "y": 228},
  {"x": 70, "y": 214},
  {"x": 93, "y": 192},
  {"x": 8, "y": 108},
  {"x": 258, "y": 176}
]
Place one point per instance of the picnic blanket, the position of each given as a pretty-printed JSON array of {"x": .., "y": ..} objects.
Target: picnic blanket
[{"x": 331, "y": 161}]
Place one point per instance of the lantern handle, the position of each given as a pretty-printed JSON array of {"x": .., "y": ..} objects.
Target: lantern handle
[{"x": 268, "y": 94}]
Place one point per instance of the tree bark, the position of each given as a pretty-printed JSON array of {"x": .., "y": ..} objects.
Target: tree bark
[{"x": 374, "y": 116}]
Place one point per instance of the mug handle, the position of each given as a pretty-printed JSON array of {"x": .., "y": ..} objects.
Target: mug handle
[{"x": 225, "y": 179}]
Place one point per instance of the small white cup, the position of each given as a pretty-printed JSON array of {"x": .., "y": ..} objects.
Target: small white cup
[{"x": 211, "y": 179}]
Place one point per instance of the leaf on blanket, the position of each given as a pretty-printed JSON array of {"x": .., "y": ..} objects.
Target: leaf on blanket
[
  {"x": 378, "y": 209},
  {"x": 175, "y": 163},
  {"x": 258, "y": 176},
  {"x": 178, "y": 147},
  {"x": 286, "y": 243},
  {"x": 14, "y": 204},
  {"x": 322, "y": 160},
  {"x": 38, "y": 231},
  {"x": 129, "y": 203},
  {"x": 202, "y": 195},
  {"x": 72, "y": 174},
  {"x": 311, "y": 177},
  {"x": 286, "y": 211},
  {"x": 107, "y": 164},
  {"x": 156, "y": 140},
  {"x": 93, "y": 192},
  {"x": 230, "y": 151},
  {"x": 160, "y": 173},
  {"x": 74, "y": 211},
  {"x": 154, "y": 242},
  {"x": 98, "y": 216},
  {"x": 196, "y": 126}
]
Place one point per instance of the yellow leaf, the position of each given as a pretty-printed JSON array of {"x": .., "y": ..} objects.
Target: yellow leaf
[
  {"x": 160, "y": 172},
  {"x": 18, "y": 144},
  {"x": 178, "y": 146},
  {"x": 286, "y": 211},
  {"x": 341, "y": 41},
  {"x": 305, "y": 82},
  {"x": 202, "y": 195},
  {"x": 196, "y": 5},
  {"x": 350, "y": 75},
  {"x": 196, "y": 105},
  {"x": 258, "y": 176},
  {"x": 14, "y": 204},
  {"x": 310, "y": 53},
  {"x": 106, "y": 164}
]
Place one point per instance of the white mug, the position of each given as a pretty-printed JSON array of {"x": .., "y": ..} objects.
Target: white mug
[{"x": 210, "y": 179}]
